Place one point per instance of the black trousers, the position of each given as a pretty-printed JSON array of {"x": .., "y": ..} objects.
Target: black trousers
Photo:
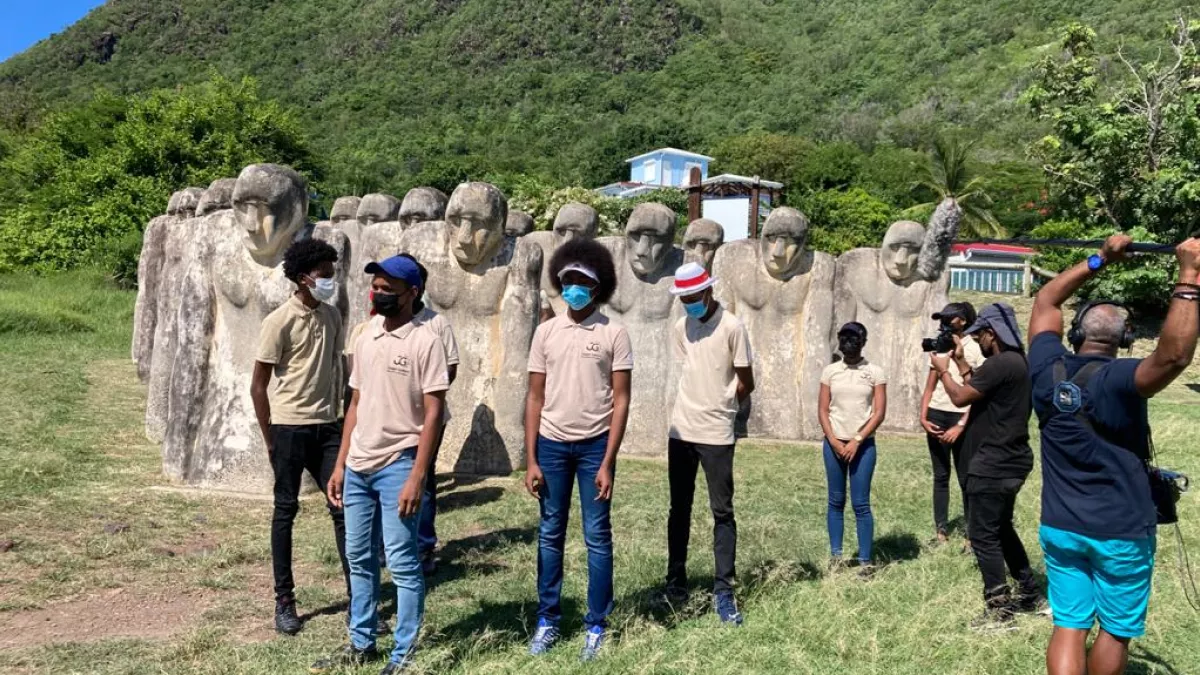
[
  {"x": 941, "y": 456},
  {"x": 294, "y": 450},
  {"x": 993, "y": 537},
  {"x": 683, "y": 458}
]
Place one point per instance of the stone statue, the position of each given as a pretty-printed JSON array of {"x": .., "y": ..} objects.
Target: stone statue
[
  {"x": 232, "y": 283},
  {"x": 218, "y": 197},
  {"x": 344, "y": 216},
  {"x": 185, "y": 205},
  {"x": 888, "y": 291},
  {"x": 783, "y": 292},
  {"x": 572, "y": 220},
  {"x": 421, "y": 205},
  {"x": 519, "y": 224},
  {"x": 486, "y": 286},
  {"x": 145, "y": 309},
  {"x": 701, "y": 240},
  {"x": 646, "y": 259},
  {"x": 378, "y": 239}
]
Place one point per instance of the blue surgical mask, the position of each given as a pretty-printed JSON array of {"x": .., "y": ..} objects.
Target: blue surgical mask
[
  {"x": 577, "y": 297},
  {"x": 696, "y": 309},
  {"x": 323, "y": 289}
]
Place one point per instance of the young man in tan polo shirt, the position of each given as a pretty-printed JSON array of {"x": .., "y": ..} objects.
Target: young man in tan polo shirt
[
  {"x": 575, "y": 415},
  {"x": 714, "y": 350},
  {"x": 399, "y": 384},
  {"x": 300, "y": 345}
]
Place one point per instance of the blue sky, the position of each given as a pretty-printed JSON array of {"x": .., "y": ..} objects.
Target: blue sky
[{"x": 24, "y": 22}]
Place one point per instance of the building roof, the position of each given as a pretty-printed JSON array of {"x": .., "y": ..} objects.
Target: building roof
[
  {"x": 670, "y": 151},
  {"x": 994, "y": 249},
  {"x": 730, "y": 178}
]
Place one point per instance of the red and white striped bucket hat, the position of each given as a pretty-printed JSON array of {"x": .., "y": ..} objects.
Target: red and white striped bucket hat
[{"x": 691, "y": 278}]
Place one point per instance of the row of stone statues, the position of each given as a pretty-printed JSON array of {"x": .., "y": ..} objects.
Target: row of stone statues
[{"x": 210, "y": 271}]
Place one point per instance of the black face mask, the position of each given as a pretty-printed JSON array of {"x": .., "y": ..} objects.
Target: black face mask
[
  {"x": 386, "y": 304},
  {"x": 850, "y": 346}
]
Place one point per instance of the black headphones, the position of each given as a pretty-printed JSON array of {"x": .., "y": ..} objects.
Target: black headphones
[{"x": 1075, "y": 336}]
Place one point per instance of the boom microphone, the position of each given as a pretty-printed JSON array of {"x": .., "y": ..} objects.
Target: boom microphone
[{"x": 1135, "y": 247}]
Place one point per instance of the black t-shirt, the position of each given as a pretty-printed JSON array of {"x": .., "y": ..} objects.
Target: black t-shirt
[
  {"x": 1091, "y": 485},
  {"x": 996, "y": 440}
]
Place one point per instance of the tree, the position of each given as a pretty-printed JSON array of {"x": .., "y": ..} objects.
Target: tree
[{"x": 949, "y": 174}]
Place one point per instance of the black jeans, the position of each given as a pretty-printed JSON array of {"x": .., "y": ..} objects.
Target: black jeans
[
  {"x": 941, "y": 455},
  {"x": 993, "y": 537},
  {"x": 294, "y": 450},
  {"x": 683, "y": 458}
]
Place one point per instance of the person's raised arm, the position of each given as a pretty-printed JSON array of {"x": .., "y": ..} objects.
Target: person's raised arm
[
  {"x": 535, "y": 399},
  {"x": 1177, "y": 338},
  {"x": 1047, "y": 316},
  {"x": 961, "y": 395}
]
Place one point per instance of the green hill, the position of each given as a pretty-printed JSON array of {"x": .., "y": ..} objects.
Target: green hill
[{"x": 398, "y": 92}]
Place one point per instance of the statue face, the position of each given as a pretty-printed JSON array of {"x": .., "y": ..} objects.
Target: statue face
[
  {"x": 475, "y": 217},
  {"x": 376, "y": 208},
  {"x": 421, "y": 205},
  {"x": 575, "y": 220},
  {"x": 344, "y": 209},
  {"x": 901, "y": 248},
  {"x": 649, "y": 233},
  {"x": 782, "y": 244},
  {"x": 518, "y": 224},
  {"x": 218, "y": 196},
  {"x": 701, "y": 240},
  {"x": 270, "y": 203},
  {"x": 189, "y": 199}
]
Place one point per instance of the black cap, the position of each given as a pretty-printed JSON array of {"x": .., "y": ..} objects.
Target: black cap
[
  {"x": 962, "y": 310},
  {"x": 854, "y": 328}
]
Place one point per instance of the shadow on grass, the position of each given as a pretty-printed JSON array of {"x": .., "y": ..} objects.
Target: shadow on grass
[
  {"x": 896, "y": 547},
  {"x": 468, "y": 498},
  {"x": 496, "y": 626},
  {"x": 1145, "y": 662},
  {"x": 328, "y": 610},
  {"x": 458, "y": 557}
]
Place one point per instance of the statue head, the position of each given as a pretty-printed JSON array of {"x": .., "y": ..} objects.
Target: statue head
[
  {"x": 270, "y": 202},
  {"x": 575, "y": 221},
  {"x": 173, "y": 203},
  {"x": 701, "y": 240},
  {"x": 518, "y": 224},
  {"x": 782, "y": 242},
  {"x": 901, "y": 248},
  {"x": 475, "y": 217},
  {"x": 189, "y": 199},
  {"x": 376, "y": 208},
  {"x": 218, "y": 196},
  {"x": 344, "y": 209},
  {"x": 422, "y": 204},
  {"x": 650, "y": 233}
]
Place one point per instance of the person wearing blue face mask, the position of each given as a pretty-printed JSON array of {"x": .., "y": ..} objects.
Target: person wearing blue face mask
[
  {"x": 575, "y": 413},
  {"x": 713, "y": 350}
]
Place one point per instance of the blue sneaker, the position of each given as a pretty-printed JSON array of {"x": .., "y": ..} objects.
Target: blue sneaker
[
  {"x": 727, "y": 609},
  {"x": 591, "y": 643},
  {"x": 543, "y": 638}
]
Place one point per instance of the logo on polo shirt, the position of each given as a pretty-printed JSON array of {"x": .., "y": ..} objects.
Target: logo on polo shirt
[
  {"x": 400, "y": 365},
  {"x": 592, "y": 350}
]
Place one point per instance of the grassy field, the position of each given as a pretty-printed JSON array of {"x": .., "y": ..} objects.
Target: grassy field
[{"x": 104, "y": 571}]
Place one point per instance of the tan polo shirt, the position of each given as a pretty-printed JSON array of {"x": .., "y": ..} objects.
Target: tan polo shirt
[
  {"x": 392, "y": 373},
  {"x": 304, "y": 346},
  {"x": 426, "y": 316},
  {"x": 579, "y": 360},
  {"x": 851, "y": 395},
  {"x": 706, "y": 404},
  {"x": 974, "y": 356}
]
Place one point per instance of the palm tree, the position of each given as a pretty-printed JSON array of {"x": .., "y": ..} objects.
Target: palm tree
[{"x": 948, "y": 176}]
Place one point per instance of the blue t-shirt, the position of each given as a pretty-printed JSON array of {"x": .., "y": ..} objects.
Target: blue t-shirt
[{"x": 1091, "y": 485}]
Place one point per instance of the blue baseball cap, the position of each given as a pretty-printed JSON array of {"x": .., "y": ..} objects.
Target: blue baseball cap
[{"x": 397, "y": 267}]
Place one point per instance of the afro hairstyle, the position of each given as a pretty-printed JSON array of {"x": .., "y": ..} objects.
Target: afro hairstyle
[
  {"x": 589, "y": 253},
  {"x": 303, "y": 257},
  {"x": 418, "y": 304}
]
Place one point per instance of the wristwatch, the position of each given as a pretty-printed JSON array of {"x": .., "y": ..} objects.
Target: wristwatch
[
  {"x": 1095, "y": 261},
  {"x": 858, "y": 438}
]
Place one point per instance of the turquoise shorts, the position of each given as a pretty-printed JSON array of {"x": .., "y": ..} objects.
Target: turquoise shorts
[{"x": 1105, "y": 579}]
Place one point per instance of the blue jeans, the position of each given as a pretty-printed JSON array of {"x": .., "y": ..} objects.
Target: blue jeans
[
  {"x": 861, "y": 470},
  {"x": 370, "y": 498},
  {"x": 562, "y": 464}
]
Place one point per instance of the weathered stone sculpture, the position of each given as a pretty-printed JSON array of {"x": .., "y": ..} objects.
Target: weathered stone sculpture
[
  {"x": 212, "y": 436},
  {"x": 145, "y": 309},
  {"x": 701, "y": 240},
  {"x": 185, "y": 205},
  {"x": 218, "y": 197},
  {"x": 887, "y": 290},
  {"x": 486, "y": 286},
  {"x": 784, "y": 294},
  {"x": 646, "y": 259},
  {"x": 379, "y": 238},
  {"x": 422, "y": 205},
  {"x": 518, "y": 224},
  {"x": 344, "y": 216},
  {"x": 572, "y": 220}
]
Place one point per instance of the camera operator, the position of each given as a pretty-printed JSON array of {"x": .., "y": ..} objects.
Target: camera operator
[
  {"x": 942, "y": 420},
  {"x": 996, "y": 440},
  {"x": 1098, "y": 513}
]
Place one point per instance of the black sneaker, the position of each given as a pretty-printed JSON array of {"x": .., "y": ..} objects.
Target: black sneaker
[
  {"x": 999, "y": 614},
  {"x": 348, "y": 656},
  {"x": 866, "y": 571},
  {"x": 286, "y": 621},
  {"x": 428, "y": 564}
]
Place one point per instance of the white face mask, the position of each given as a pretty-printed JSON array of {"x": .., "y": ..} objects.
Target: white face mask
[{"x": 324, "y": 289}]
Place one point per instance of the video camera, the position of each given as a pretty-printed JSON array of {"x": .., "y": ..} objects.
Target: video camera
[{"x": 942, "y": 342}]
